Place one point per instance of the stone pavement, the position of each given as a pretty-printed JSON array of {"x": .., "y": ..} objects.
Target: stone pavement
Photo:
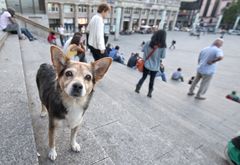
[{"x": 122, "y": 127}]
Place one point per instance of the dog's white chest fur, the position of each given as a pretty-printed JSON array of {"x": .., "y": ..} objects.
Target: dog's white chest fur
[{"x": 74, "y": 116}]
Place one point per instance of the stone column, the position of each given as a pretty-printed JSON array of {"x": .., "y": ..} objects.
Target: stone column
[
  {"x": 131, "y": 21},
  {"x": 155, "y": 18},
  {"x": 61, "y": 13},
  {"x": 122, "y": 19},
  {"x": 236, "y": 23},
  {"x": 175, "y": 20},
  {"x": 162, "y": 22},
  {"x": 76, "y": 17},
  {"x": 89, "y": 13},
  {"x": 112, "y": 18},
  {"x": 140, "y": 19},
  {"x": 196, "y": 21},
  {"x": 118, "y": 21},
  {"x": 169, "y": 18},
  {"x": 148, "y": 17}
]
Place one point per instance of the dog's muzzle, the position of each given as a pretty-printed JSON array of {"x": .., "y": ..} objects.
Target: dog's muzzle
[{"x": 76, "y": 90}]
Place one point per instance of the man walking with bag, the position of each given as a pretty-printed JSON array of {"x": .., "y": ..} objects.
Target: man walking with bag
[{"x": 207, "y": 63}]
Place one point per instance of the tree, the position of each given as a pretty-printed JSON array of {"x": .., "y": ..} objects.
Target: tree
[{"x": 231, "y": 13}]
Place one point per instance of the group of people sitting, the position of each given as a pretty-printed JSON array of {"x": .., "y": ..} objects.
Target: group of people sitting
[{"x": 114, "y": 53}]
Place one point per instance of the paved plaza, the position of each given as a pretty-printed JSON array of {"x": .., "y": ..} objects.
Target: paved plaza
[{"x": 120, "y": 126}]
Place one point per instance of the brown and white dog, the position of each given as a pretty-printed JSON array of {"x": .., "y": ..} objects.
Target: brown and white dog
[{"x": 65, "y": 89}]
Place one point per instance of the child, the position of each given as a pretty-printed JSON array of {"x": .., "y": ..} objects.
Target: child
[
  {"x": 177, "y": 75},
  {"x": 52, "y": 38},
  {"x": 173, "y": 44},
  {"x": 161, "y": 73}
]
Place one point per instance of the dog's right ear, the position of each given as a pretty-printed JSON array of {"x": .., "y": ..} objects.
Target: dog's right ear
[{"x": 58, "y": 58}]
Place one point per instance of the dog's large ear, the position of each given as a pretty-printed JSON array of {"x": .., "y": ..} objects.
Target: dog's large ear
[
  {"x": 100, "y": 67},
  {"x": 58, "y": 58}
]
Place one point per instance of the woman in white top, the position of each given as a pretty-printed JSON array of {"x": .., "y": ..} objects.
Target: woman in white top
[{"x": 95, "y": 28}]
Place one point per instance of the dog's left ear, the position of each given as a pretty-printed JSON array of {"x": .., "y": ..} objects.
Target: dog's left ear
[
  {"x": 58, "y": 58},
  {"x": 100, "y": 67}
]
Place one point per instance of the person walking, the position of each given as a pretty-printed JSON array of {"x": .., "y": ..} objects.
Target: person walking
[
  {"x": 153, "y": 52},
  {"x": 207, "y": 63},
  {"x": 96, "y": 42},
  {"x": 172, "y": 44},
  {"x": 62, "y": 37}
]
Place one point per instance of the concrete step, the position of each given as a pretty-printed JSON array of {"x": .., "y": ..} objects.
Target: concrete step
[
  {"x": 170, "y": 104},
  {"x": 17, "y": 143},
  {"x": 3, "y": 37},
  {"x": 170, "y": 129}
]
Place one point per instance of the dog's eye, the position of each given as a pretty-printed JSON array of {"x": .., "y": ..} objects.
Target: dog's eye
[
  {"x": 87, "y": 77},
  {"x": 69, "y": 74}
]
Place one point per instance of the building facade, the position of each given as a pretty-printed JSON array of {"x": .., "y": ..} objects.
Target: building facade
[
  {"x": 188, "y": 12},
  {"x": 211, "y": 10},
  {"x": 75, "y": 14}
]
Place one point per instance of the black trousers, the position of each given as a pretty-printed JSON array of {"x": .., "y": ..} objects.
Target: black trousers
[
  {"x": 96, "y": 53},
  {"x": 144, "y": 76}
]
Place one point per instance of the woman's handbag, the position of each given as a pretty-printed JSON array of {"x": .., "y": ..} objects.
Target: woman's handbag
[{"x": 140, "y": 62}]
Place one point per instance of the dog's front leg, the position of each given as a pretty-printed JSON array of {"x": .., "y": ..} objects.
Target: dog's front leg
[
  {"x": 74, "y": 145},
  {"x": 51, "y": 139}
]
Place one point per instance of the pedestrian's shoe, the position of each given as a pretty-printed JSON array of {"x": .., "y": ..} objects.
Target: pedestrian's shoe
[
  {"x": 191, "y": 93},
  {"x": 149, "y": 93},
  {"x": 21, "y": 37},
  {"x": 200, "y": 98},
  {"x": 137, "y": 90}
]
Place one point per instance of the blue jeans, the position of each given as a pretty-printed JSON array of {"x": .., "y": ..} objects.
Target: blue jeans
[
  {"x": 27, "y": 33},
  {"x": 162, "y": 75}
]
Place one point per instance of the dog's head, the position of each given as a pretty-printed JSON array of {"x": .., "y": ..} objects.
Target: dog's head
[{"x": 77, "y": 79}]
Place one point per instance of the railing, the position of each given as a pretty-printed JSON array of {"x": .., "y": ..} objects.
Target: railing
[{"x": 35, "y": 24}]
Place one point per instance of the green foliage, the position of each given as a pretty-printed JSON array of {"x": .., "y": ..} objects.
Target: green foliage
[{"x": 231, "y": 13}]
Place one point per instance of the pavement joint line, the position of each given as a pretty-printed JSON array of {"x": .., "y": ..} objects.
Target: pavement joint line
[
  {"x": 100, "y": 160},
  {"x": 158, "y": 125},
  {"x": 199, "y": 147},
  {"x": 104, "y": 125}
]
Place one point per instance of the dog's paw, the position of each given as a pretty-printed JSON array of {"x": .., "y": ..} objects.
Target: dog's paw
[
  {"x": 76, "y": 147},
  {"x": 52, "y": 154},
  {"x": 43, "y": 113}
]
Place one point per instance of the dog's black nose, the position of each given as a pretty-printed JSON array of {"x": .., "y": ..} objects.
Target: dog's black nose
[{"x": 77, "y": 86}]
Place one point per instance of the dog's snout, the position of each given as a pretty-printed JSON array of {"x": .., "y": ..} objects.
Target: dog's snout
[{"x": 77, "y": 86}]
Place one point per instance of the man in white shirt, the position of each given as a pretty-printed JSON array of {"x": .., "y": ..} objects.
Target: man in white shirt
[
  {"x": 207, "y": 63},
  {"x": 95, "y": 28},
  {"x": 61, "y": 31}
]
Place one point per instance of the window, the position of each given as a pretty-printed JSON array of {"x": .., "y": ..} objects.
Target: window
[
  {"x": 52, "y": 7},
  {"x": 68, "y": 8},
  {"x": 82, "y": 8},
  {"x": 127, "y": 10},
  {"x": 136, "y": 11}
]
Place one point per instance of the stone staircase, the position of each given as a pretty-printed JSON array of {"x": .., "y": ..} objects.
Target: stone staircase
[
  {"x": 17, "y": 143},
  {"x": 120, "y": 127}
]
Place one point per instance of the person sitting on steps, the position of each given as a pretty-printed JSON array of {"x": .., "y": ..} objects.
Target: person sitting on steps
[{"x": 9, "y": 24}]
